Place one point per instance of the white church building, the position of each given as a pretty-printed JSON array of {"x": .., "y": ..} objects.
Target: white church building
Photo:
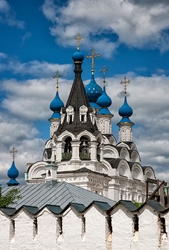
[{"x": 82, "y": 145}]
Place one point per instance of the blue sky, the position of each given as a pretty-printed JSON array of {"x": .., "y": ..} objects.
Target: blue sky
[{"x": 37, "y": 38}]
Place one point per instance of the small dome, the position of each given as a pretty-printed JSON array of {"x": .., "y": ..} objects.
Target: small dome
[
  {"x": 94, "y": 105},
  {"x": 125, "y": 119},
  {"x": 93, "y": 90},
  {"x": 13, "y": 171},
  {"x": 12, "y": 174},
  {"x": 104, "y": 111},
  {"x": 125, "y": 110},
  {"x": 78, "y": 56},
  {"x": 56, "y": 104},
  {"x": 104, "y": 100},
  {"x": 56, "y": 115}
]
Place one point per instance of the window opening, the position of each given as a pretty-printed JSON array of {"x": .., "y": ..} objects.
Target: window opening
[
  {"x": 136, "y": 223},
  {"x": 163, "y": 225},
  {"x": 35, "y": 227}
]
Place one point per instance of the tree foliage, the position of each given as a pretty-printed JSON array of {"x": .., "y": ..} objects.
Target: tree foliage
[{"x": 10, "y": 198}]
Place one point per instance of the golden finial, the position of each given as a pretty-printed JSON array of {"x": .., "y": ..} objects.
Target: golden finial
[
  {"x": 78, "y": 39},
  {"x": 92, "y": 56},
  {"x": 125, "y": 85},
  {"x": 103, "y": 71},
  {"x": 57, "y": 79},
  {"x": 13, "y": 152}
]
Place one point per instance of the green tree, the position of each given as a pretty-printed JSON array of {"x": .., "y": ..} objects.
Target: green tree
[{"x": 10, "y": 198}]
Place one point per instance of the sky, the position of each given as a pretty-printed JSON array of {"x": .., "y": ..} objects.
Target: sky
[{"x": 37, "y": 39}]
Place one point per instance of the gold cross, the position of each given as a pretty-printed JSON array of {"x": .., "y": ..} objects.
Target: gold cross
[
  {"x": 92, "y": 56},
  {"x": 103, "y": 71},
  {"x": 13, "y": 152},
  {"x": 57, "y": 79},
  {"x": 78, "y": 39},
  {"x": 125, "y": 85}
]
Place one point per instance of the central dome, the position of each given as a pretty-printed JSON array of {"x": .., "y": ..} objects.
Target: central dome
[{"x": 93, "y": 90}]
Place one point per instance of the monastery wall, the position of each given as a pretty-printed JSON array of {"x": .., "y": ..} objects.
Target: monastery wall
[{"x": 93, "y": 229}]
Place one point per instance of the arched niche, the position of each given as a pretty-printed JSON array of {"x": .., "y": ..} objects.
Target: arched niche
[
  {"x": 149, "y": 173},
  {"x": 135, "y": 157},
  {"x": 137, "y": 172},
  {"x": 124, "y": 154},
  {"x": 37, "y": 170},
  {"x": 110, "y": 152},
  {"x": 124, "y": 169}
]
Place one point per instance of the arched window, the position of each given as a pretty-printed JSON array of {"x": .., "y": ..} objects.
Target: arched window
[
  {"x": 70, "y": 114},
  {"x": 68, "y": 145},
  {"x": 84, "y": 148},
  {"x": 83, "y": 113}
]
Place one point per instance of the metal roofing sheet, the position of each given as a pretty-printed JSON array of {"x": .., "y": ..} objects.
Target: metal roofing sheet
[
  {"x": 60, "y": 194},
  {"x": 129, "y": 205},
  {"x": 156, "y": 205},
  {"x": 8, "y": 211},
  {"x": 103, "y": 205}
]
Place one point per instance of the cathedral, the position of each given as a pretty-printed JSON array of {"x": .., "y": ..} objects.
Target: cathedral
[{"x": 82, "y": 150}]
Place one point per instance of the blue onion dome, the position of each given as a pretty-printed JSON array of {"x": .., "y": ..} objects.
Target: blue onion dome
[
  {"x": 104, "y": 111},
  {"x": 104, "y": 100},
  {"x": 56, "y": 104},
  {"x": 12, "y": 174},
  {"x": 93, "y": 90},
  {"x": 94, "y": 105},
  {"x": 78, "y": 56},
  {"x": 125, "y": 110}
]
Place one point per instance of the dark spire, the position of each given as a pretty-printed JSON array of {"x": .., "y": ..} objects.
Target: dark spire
[{"x": 77, "y": 98}]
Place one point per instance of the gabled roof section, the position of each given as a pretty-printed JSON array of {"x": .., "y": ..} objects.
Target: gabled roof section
[
  {"x": 54, "y": 209},
  {"x": 60, "y": 194},
  {"x": 8, "y": 210},
  {"x": 31, "y": 209},
  {"x": 76, "y": 99},
  {"x": 156, "y": 205},
  {"x": 79, "y": 207},
  {"x": 102, "y": 205},
  {"x": 127, "y": 204}
]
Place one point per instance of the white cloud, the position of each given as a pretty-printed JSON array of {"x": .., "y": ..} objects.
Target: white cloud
[
  {"x": 7, "y": 15},
  {"x": 3, "y": 55},
  {"x": 35, "y": 68},
  {"x": 135, "y": 24},
  {"x": 30, "y": 99}
]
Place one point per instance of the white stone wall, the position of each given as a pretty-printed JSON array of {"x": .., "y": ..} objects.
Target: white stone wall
[
  {"x": 122, "y": 224},
  {"x": 85, "y": 231}
]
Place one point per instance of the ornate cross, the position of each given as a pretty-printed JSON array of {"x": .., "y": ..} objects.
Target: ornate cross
[
  {"x": 125, "y": 85},
  {"x": 93, "y": 56},
  {"x": 103, "y": 71},
  {"x": 78, "y": 39},
  {"x": 13, "y": 152},
  {"x": 57, "y": 79}
]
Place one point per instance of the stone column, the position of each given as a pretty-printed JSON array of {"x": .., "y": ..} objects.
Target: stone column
[
  {"x": 75, "y": 150},
  {"x": 93, "y": 150},
  {"x": 58, "y": 151}
]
